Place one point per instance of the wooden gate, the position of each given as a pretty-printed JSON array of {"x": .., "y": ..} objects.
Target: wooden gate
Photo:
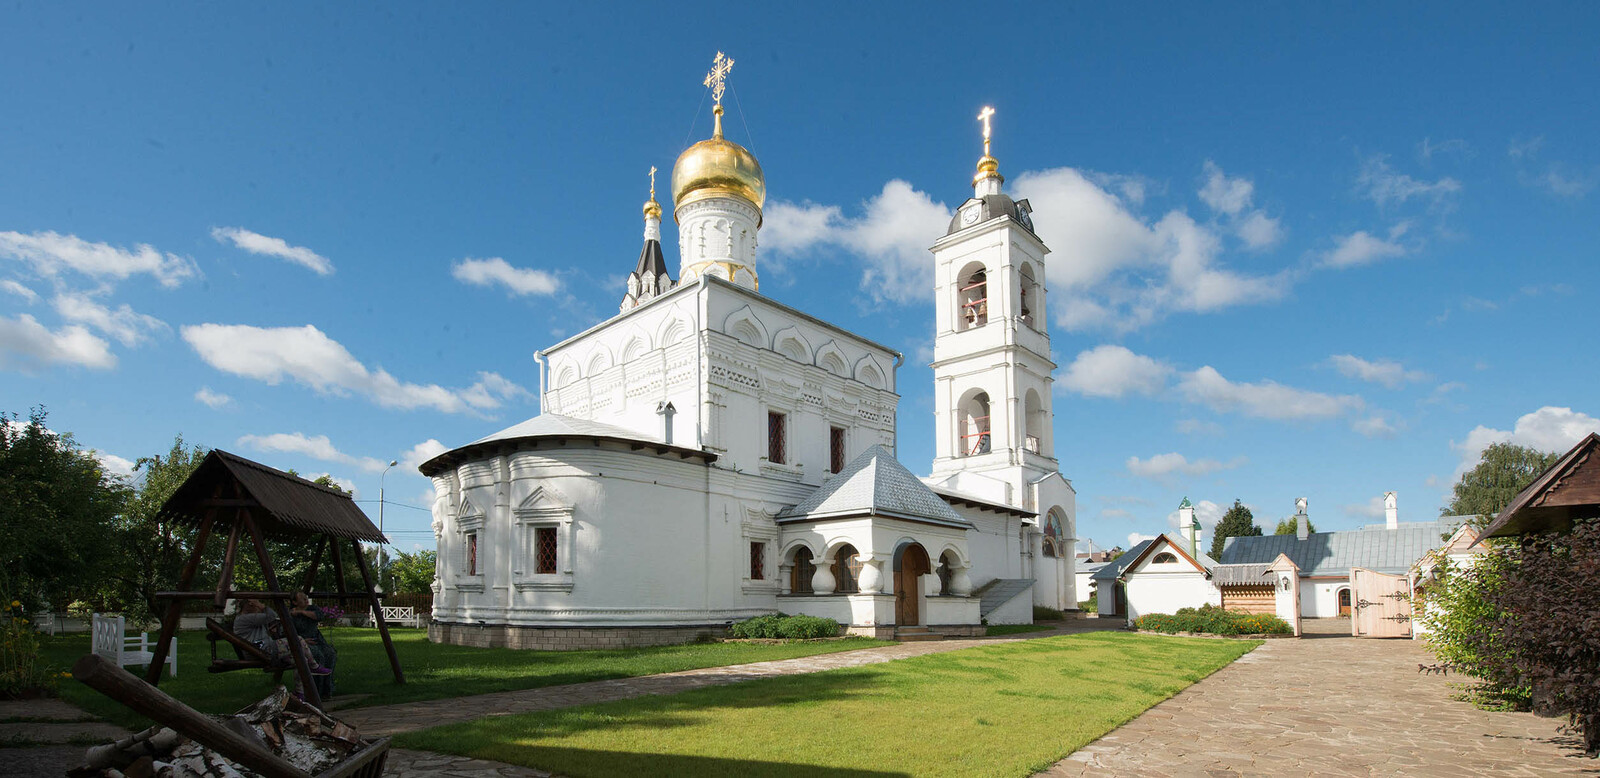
[{"x": 1382, "y": 607}]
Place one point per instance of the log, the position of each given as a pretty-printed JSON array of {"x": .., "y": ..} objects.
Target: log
[{"x": 146, "y": 700}]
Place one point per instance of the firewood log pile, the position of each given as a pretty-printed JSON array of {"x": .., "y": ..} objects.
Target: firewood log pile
[{"x": 299, "y": 733}]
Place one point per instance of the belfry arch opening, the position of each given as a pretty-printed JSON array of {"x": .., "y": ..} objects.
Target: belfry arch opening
[
  {"x": 973, "y": 436},
  {"x": 1036, "y": 421},
  {"x": 972, "y": 297},
  {"x": 1030, "y": 298}
]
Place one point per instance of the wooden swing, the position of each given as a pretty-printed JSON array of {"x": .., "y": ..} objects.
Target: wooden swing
[{"x": 248, "y": 499}]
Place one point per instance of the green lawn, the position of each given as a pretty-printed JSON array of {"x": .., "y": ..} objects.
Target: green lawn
[
  {"x": 432, "y": 671},
  {"x": 1001, "y": 710},
  {"x": 995, "y": 630}
]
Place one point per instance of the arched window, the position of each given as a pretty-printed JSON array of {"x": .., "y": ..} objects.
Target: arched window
[
  {"x": 1035, "y": 421},
  {"x": 1164, "y": 558},
  {"x": 1049, "y": 546},
  {"x": 1031, "y": 299},
  {"x": 804, "y": 568},
  {"x": 974, "y": 416},
  {"x": 972, "y": 295},
  {"x": 847, "y": 570},
  {"x": 946, "y": 571}
]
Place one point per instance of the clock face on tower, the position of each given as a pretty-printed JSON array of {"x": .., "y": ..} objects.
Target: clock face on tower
[{"x": 969, "y": 216}]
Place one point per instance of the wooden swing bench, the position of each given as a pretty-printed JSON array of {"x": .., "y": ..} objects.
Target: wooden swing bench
[{"x": 249, "y": 655}]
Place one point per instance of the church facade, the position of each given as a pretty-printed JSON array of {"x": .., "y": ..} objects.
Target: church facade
[{"x": 710, "y": 454}]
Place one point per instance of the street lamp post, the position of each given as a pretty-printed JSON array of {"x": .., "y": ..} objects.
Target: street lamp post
[{"x": 382, "y": 549}]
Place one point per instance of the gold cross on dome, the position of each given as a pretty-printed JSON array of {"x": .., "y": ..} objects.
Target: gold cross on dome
[
  {"x": 652, "y": 182},
  {"x": 717, "y": 79},
  {"x": 983, "y": 116}
]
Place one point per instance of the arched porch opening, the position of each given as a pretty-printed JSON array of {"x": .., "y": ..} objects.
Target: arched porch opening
[
  {"x": 802, "y": 568},
  {"x": 910, "y": 564}
]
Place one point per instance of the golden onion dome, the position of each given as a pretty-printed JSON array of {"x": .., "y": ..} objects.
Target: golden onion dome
[
  {"x": 988, "y": 167},
  {"x": 652, "y": 209},
  {"x": 717, "y": 167}
]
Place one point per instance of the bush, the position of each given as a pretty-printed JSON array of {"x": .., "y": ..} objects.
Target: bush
[
  {"x": 1464, "y": 632},
  {"x": 1212, "y": 620},
  {"x": 21, "y": 671},
  {"x": 1041, "y": 613},
  {"x": 1091, "y": 605},
  {"x": 779, "y": 626}
]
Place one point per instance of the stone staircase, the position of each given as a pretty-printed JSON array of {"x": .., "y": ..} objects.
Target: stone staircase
[
  {"x": 998, "y": 592},
  {"x": 915, "y": 634}
]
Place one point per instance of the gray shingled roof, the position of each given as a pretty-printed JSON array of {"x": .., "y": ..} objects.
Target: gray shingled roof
[
  {"x": 874, "y": 484},
  {"x": 1115, "y": 567},
  {"x": 1334, "y": 553},
  {"x": 1238, "y": 575}
]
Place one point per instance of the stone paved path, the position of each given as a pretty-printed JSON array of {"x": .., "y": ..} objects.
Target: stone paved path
[
  {"x": 391, "y": 719},
  {"x": 1328, "y": 705},
  {"x": 50, "y": 722}
]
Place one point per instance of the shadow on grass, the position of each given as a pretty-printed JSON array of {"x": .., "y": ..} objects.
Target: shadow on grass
[{"x": 586, "y": 762}]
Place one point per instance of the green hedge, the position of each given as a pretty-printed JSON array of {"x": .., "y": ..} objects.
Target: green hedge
[
  {"x": 1213, "y": 620},
  {"x": 778, "y": 625}
]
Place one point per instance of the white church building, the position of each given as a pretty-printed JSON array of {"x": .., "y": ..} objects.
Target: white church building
[{"x": 710, "y": 454}]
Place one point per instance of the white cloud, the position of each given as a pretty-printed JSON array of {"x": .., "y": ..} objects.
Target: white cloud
[
  {"x": 20, "y": 291},
  {"x": 1558, "y": 182},
  {"x": 1378, "y": 425},
  {"x": 51, "y": 254},
  {"x": 25, "y": 345},
  {"x": 1427, "y": 148},
  {"x": 1198, "y": 427},
  {"x": 1382, "y": 185},
  {"x": 1135, "y": 538},
  {"x": 212, "y": 399},
  {"x": 422, "y": 452},
  {"x": 1232, "y": 198},
  {"x": 1547, "y": 429},
  {"x": 1259, "y": 231},
  {"x": 311, "y": 358},
  {"x": 1363, "y": 248},
  {"x": 891, "y": 236},
  {"x": 256, "y": 243},
  {"x": 1383, "y": 371},
  {"x": 1111, "y": 269},
  {"x": 1114, "y": 371},
  {"x": 494, "y": 270},
  {"x": 127, "y": 326},
  {"x": 315, "y": 446},
  {"x": 1163, "y": 466},
  {"x": 1371, "y": 509},
  {"x": 1264, "y": 400},
  {"x": 114, "y": 464}
]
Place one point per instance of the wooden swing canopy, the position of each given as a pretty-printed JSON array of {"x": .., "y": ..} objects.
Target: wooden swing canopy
[{"x": 245, "y": 499}]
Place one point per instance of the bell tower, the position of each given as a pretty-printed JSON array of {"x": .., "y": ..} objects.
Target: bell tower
[{"x": 992, "y": 368}]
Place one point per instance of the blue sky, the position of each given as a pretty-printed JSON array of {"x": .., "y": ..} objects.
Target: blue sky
[{"x": 1325, "y": 252}]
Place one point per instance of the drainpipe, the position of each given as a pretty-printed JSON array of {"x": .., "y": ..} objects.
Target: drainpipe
[{"x": 538, "y": 356}]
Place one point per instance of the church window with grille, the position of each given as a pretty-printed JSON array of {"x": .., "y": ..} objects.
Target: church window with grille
[
  {"x": 544, "y": 551},
  {"x": 777, "y": 428},
  {"x": 847, "y": 570},
  {"x": 758, "y": 561},
  {"x": 803, "y": 569},
  {"x": 472, "y": 553},
  {"x": 835, "y": 449}
]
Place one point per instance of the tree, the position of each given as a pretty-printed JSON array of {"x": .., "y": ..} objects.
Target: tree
[
  {"x": 57, "y": 505},
  {"x": 1291, "y": 526},
  {"x": 412, "y": 573},
  {"x": 1238, "y": 522},
  {"x": 1505, "y": 469},
  {"x": 151, "y": 550}
]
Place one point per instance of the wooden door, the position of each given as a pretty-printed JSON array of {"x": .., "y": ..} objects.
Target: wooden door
[
  {"x": 1344, "y": 602},
  {"x": 911, "y": 566},
  {"x": 1382, "y": 604}
]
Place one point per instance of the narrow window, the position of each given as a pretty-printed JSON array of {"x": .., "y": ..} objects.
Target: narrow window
[
  {"x": 472, "y": 553},
  {"x": 804, "y": 568},
  {"x": 847, "y": 570},
  {"x": 835, "y": 449},
  {"x": 544, "y": 551},
  {"x": 776, "y": 424},
  {"x": 758, "y": 567}
]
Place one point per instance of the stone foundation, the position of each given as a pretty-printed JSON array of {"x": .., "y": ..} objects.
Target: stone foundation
[{"x": 568, "y": 638}]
